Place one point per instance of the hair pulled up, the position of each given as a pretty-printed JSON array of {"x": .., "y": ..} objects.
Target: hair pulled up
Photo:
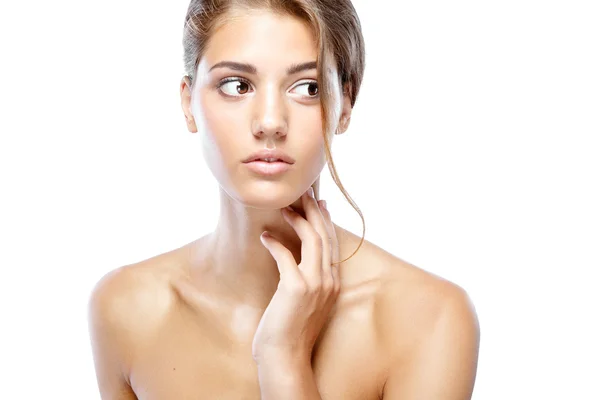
[{"x": 337, "y": 30}]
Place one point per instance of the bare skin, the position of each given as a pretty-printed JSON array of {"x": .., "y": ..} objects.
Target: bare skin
[
  {"x": 151, "y": 344},
  {"x": 395, "y": 331}
]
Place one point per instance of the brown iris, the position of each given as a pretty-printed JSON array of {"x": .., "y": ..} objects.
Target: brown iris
[{"x": 242, "y": 88}]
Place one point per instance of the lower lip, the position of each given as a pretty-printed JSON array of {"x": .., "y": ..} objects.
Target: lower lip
[{"x": 268, "y": 168}]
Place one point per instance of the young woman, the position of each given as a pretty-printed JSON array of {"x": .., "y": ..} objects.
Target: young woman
[{"x": 277, "y": 302}]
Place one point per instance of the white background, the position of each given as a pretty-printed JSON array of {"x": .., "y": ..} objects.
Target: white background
[{"x": 475, "y": 136}]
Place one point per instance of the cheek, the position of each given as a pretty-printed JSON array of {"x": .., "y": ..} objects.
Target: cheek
[
  {"x": 221, "y": 123},
  {"x": 313, "y": 128},
  {"x": 309, "y": 138},
  {"x": 219, "y": 127},
  {"x": 220, "y": 119}
]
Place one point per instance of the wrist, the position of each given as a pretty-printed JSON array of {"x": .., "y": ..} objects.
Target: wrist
[{"x": 283, "y": 374}]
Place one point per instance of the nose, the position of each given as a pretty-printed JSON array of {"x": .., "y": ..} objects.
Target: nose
[{"x": 270, "y": 113}]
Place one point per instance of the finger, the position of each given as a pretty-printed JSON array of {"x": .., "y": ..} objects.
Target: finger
[
  {"x": 286, "y": 264},
  {"x": 316, "y": 219},
  {"x": 335, "y": 246},
  {"x": 311, "y": 248},
  {"x": 334, "y": 249}
]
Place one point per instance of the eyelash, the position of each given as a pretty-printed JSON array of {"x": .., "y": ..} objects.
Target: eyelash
[{"x": 247, "y": 82}]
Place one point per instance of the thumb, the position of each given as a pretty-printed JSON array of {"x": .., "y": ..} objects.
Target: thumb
[{"x": 286, "y": 264}]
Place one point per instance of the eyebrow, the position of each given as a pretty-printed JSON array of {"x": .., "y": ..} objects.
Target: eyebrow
[{"x": 251, "y": 69}]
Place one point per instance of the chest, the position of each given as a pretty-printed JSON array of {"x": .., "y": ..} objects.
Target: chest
[{"x": 184, "y": 360}]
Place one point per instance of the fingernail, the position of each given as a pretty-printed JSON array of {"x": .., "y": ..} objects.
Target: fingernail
[
  {"x": 323, "y": 204},
  {"x": 311, "y": 192}
]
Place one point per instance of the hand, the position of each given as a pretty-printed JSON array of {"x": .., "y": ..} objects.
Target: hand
[{"x": 306, "y": 292}]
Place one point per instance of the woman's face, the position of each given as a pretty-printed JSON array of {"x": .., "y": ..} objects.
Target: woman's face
[{"x": 259, "y": 104}]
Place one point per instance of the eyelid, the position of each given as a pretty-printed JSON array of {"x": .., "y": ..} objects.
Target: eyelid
[
  {"x": 307, "y": 82},
  {"x": 229, "y": 79},
  {"x": 233, "y": 79}
]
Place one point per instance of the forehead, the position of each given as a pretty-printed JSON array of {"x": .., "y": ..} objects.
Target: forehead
[{"x": 263, "y": 38}]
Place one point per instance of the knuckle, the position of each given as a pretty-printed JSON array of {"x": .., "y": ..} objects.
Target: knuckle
[
  {"x": 330, "y": 242},
  {"x": 337, "y": 284},
  {"x": 317, "y": 241},
  {"x": 328, "y": 285},
  {"x": 314, "y": 288},
  {"x": 299, "y": 289},
  {"x": 336, "y": 287},
  {"x": 288, "y": 256}
]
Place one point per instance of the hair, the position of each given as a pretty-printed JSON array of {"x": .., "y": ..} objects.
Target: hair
[{"x": 338, "y": 34}]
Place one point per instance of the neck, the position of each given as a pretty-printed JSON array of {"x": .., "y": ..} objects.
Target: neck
[{"x": 233, "y": 259}]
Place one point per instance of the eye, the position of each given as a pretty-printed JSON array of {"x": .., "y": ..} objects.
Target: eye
[
  {"x": 309, "y": 89},
  {"x": 234, "y": 87}
]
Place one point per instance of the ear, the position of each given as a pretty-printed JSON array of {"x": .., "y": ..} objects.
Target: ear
[
  {"x": 346, "y": 113},
  {"x": 186, "y": 102}
]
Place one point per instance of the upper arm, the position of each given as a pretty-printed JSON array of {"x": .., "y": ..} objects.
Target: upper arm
[
  {"x": 110, "y": 338},
  {"x": 443, "y": 363}
]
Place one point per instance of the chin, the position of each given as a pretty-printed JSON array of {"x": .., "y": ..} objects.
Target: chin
[{"x": 267, "y": 197}]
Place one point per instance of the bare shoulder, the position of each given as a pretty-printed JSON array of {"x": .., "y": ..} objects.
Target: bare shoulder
[
  {"x": 409, "y": 301},
  {"x": 428, "y": 330},
  {"x": 124, "y": 309},
  {"x": 132, "y": 299},
  {"x": 412, "y": 303}
]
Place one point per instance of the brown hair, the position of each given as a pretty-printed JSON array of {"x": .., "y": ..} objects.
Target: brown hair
[{"x": 337, "y": 29}]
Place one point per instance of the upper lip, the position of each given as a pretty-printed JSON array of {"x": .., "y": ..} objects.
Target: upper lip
[{"x": 278, "y": 154}]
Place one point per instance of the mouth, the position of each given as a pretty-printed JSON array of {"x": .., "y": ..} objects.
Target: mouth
[
  {"x": 270, "y": 156},
  {"x": 268, "y": 168},
  {"x": 268, "y": 160}
]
